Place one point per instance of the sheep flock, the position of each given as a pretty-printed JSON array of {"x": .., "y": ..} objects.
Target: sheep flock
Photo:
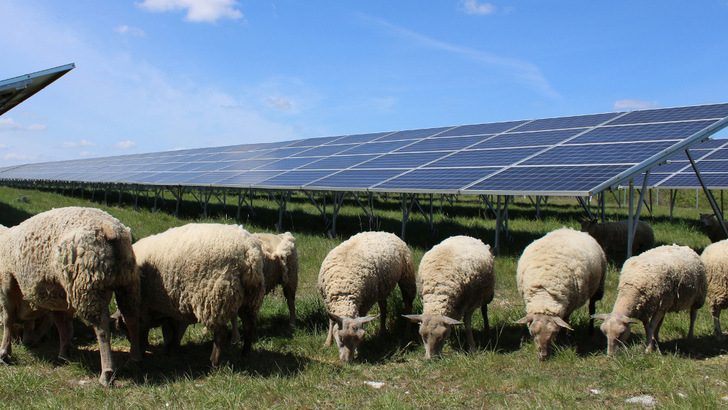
[{"x": 70, "y": 262}]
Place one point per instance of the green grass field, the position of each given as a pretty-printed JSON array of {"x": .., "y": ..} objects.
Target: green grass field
[{"x": 293, "y": 369}]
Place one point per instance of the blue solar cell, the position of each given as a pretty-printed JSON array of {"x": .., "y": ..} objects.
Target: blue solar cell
[
  {"x": 248, "y": 179},
  {"x": 627, "y": 153},
  {"x": 481, "y": 129},
  {"x": 673, "y": 166},
  {"x": 314, "y": 142},
  {"x": 484, "y": 158},
  {"x": 210, "y": 178},
  {"x": 674, "y": 114},
  {"x": 545, "y": 179},
  {"x": 711, "y": 166},
  {"x": 297, "y": 178},
  {"x": 426, "y": 178},
  {"x": 360, "y": 138},
  {"x": 354, "y": 179},
  {"x": 246, "y": 164},
  {"x": 376, "y": 147},
  {"x": 287, "y": 164},
  {"x": 579, "y": 121},
  {"x": 324, "y": 150},
  {"x": 212, "y": 166},
  {"x": 529, "y": 139},
  {"x": 338, "y": 162},
  {"x": 401, "y": 161},
  {"x": 720, "y": 154},
  {"x": 282, "y": 153},
  {"x": 643, "y": 132},
  {"x": 414, "y": 134},
  {"x": 443, "y": 144},
  {"x": 690, "y": 180}
]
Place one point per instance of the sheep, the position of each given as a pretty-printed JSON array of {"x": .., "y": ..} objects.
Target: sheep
[
  {"x": 200, "y": 273},
  {"x": 712, "y": 227},
  {"x": 69, "y": 260},
  {"x": 357, "y": 273},
  {"x": 612, "y": 236},
  {"x": 280, "y": 267},
  {"x": 669, "y": 278},
  {"x": 557, "y": 274},
  {"x": 716, "y": 270},
  {"x": 454, "y": 278}
]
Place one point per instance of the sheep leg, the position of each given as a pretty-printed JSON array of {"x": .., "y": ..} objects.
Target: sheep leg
[
  {"x": 103, "y": 336},
  {"x": 330, "y": 336},
  {"x": 715, "y": 311},
  {"x": 6, "y": 349},
  {"x": 59, "y": 318},
  {"x": 651, "y": 330},
  {"x": 486, "y": 325},
  {"x": 133, "y": 334},
  {"x": 235, "y": 332},
  {"x": 382, "y": 315},
  {"x": 468, "y": 320},
  {"x": 290, "y": 294},
  {"x": 592, "y": 311},
  {"x": 221, "y": 337},
  {"x": 408, "y": 296},
  {"x": 249, "y": 320},
  {"x": 693, "y": 315}
]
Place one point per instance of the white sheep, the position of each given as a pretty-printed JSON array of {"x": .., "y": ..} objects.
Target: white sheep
[
  {"x": 715, "y": 258},
  {"x": 200, "y": 273},
  {"x": 455, "y": 278},
  {"x": 557, "y": 274},
  {"x": 612, "y": 236},
  {"x": 712, "y": 227},
  {"x": 669, "y": 278},
  {"x": 361, "y": 271},
  {"x": 69, "y": 260}
]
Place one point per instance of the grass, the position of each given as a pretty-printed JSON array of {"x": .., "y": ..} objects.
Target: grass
[{"x": 293, "y": 369}]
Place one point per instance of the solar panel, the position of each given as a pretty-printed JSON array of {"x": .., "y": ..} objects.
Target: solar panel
[
  {"x": 575, "y": 155},
  {"x": 711, "y": 159},
  {"x": 14, "y": 91}
]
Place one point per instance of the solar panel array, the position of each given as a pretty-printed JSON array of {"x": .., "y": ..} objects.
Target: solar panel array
[
  {"x": 711, "y": 159},
  {"x": 15, "y": 90},
  {"x": 576, "y": 155}
]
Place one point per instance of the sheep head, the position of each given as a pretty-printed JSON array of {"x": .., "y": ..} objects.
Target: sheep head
[
  {"x": 543, "y": 329},
  {"x": 434, "y": 330},
  {"x": 349, "y": 333},
  {"x": 616, "y": 327}
]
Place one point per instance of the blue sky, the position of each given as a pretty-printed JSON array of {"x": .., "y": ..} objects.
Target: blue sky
[{"x": 157, "y": 75}]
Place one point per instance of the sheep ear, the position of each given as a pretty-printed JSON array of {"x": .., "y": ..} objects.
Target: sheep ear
[
  {"x": 452, "y": 322},
  {"x": 559, "y": 321},
  {"x": 601, "y": 316},
  {"x": 526, "y": 320},
  {"x": 337, "y": 319},
  {"x": 413, "y": 318},
  {"x": 366, "y": 319}
]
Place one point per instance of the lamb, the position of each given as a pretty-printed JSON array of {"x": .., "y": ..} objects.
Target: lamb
[
  {"x": 557, "y": 274},
  {"x": 669, "y": 278},
  {"x": 200, "y": 273},
  {"x": 716, "y": 270},
  {"x": 454, "y": 278},
  {"x": 359, "y": 272},
  {"x": 69, "y": 260},
  {"x": 612, "y": 236},
  {"x": 712, "y": 227}
]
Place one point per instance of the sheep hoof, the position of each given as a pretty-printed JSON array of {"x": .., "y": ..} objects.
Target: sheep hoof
[{"x": 107, "y": 378}]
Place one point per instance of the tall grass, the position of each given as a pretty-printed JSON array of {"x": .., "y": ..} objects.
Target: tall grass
[{"x": 293, "y": 368}]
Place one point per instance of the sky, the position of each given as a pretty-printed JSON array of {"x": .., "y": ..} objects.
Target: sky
[{"x": 159, "y": 75}]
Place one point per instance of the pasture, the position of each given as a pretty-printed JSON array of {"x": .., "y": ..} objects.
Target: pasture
[{"x": 290, "y": 369}]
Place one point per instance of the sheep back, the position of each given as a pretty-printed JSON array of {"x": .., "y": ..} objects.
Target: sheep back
[
  {"x": 612, "y": 236},
  {"x": 69, "y": 258},
  {"x": 715, "y": 258},
  {"x": 280, "y": 262},
  {"x": 363, "y": 270},
  {"x": 456, "y": 276},
  {"x": 669, "y": 277},
  {"x": 201, "y": 273},
  {"x": 561, "y": 271}
]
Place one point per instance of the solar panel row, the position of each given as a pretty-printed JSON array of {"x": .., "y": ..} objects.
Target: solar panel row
[{"x": 565, "y": 155}]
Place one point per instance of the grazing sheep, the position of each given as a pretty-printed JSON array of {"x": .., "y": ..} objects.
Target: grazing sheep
[
  {"x": 200, "y": 273},
  {"x": 69, "y": 260},
  {"x": 356, "y": 274},
  {"x": 557, "y": 274},
  {"x": 612, "y": 236},
  {"x": 716, "y": 268},
  {"x": 454, "y": 278},
  {"x": 712, "y": 227},
  {"x": 668, "y": 278}
]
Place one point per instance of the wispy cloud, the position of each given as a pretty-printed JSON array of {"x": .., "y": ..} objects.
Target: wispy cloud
[
  {"x": 206, "y": 11},
  {"x": 476, "y": 8},
  {"x": 129, "y": 30},
  {"x": 125, "y": 144},
  {"x": 524, "y": 72},
  {"x": 10, "y": 124},
  {"x": 630, "y": 104},
  {"x": 82, "y": 143}
]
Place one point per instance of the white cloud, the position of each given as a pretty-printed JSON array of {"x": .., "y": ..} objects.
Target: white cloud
[
  {"x": 10, "y": 124},
  {"x": 86, "y": 154},
  {"x": 208, "y": 11},
  {"x": 280, "y": 103},
  {"x": 82, "y": 143},
  {"x": 132, "y": 31},
  {"x": 630, "y": 104},
  {"x": 473, "y": 7},
  {"x": 18, "y": 157},
  {"x": 125, "y": 144}
]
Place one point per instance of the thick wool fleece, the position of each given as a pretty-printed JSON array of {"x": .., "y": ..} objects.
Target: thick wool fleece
[
  {"x": 669, "y": 277},
  {"x": 68, "y": 259},
  {"x": 715, "y": 257},
  {"x": 280, "y": 260},
  {"x": 363, "y": 270},
  {"x": 560, "y": 272},
  {"x": 201, "y": 273},
  {"x": 456, "y": 276}
]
